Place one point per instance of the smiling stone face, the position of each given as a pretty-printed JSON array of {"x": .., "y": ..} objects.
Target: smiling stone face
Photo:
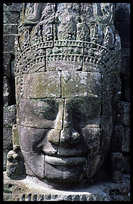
[
  {"x": 61, "y": 132},
  {"x": 65, "y": 89}
]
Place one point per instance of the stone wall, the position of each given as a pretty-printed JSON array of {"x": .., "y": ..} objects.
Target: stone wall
[
  {"x": 122, "y": 23},
  {"x": 11, "y": 15}
]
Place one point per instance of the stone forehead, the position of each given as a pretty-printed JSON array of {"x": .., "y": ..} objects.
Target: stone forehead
[{"x": 58, "y": 84}]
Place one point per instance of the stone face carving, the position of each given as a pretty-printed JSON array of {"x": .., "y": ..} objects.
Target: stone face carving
[{"x": 67, "y": 82}]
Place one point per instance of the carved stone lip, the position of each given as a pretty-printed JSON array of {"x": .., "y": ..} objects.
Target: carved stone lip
[{"x": 64, "y": 161}]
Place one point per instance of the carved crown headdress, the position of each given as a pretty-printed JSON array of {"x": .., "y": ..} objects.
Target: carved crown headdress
[{"x": 67, "y": 36}]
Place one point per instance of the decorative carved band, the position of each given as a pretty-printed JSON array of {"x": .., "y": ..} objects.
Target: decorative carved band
[{"x": 92, "y": 53}]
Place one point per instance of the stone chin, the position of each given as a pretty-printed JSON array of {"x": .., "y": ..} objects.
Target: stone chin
[
  {"x": 65, "y": 174},
  {"x": 43, "y": 167},
  {"x": 72, "y": 169},
  {"x": 62, "y": 169}
]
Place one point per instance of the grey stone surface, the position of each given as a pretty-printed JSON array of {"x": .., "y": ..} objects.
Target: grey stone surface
[
  {"x": 118, "y": 134},
  {"x": 12, "y": 7},
  {"x": 9, "y": 116},
  {"x": 39, "y": 85},
  {"x": 125, "y": 75},
  {"x": 10, "y": 17},
  {"x": 29, "y": 189},
  {"x": 7, "y": 138},
  {"x": 5, "y": 151},
  {"x": 11, "y": 14},
  {"x": 39, "y": 112},
  {"x": 125, "y": 113},
  {"x": 62, "y": 173},
  {"x": 126, "y": 140},
  {"x": 117, "y": 165},
  {"x": 6, "y": 64},
  {"x": 125, "y": 36},
  {"x": 81, "y": 84},
  {"x": 125, "y": 52},
  {"x": 126, "y": 164},
  {"x": 122, "y": 12},
  {"x": 125, "y": 65},
  {"x": 8, "y": 43},
  {"x": 6, "y": 91},
  {"x": 10, "y": 29}
]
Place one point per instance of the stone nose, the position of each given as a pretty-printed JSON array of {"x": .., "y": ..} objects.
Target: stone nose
[
  {"x": 69, "y": 136},
  {"x": 64, "y": 137},
  {"x": 64, "y": 134}
]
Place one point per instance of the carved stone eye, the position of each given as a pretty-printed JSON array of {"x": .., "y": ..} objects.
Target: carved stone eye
[
  {"x": 83, "y": 108},
  {"x": 46, "y": 109}
]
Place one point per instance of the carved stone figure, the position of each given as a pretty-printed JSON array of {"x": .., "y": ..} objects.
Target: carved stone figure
[
  {"x": 83, "y": 31},
  {"x": 31, "y": 13},
  {"x": 67, "y": 83}
]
